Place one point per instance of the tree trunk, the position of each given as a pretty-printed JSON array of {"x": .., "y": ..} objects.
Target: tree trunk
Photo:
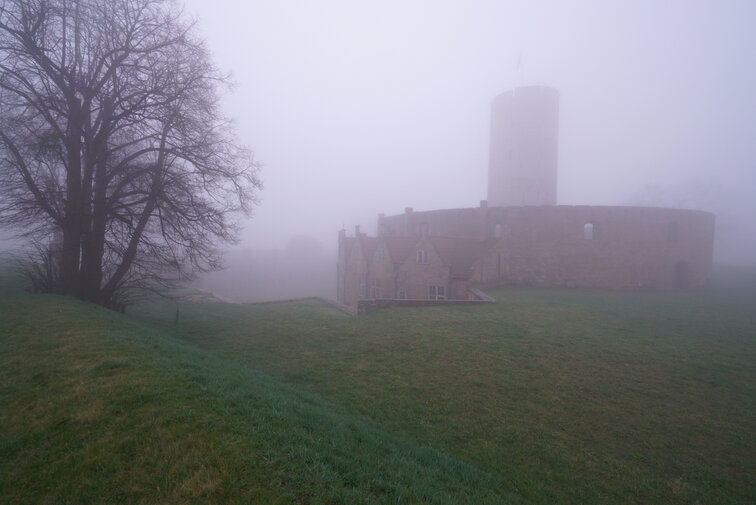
[
  {"x": 71, "y": 252},
  {"x": 94, "y": 246}
]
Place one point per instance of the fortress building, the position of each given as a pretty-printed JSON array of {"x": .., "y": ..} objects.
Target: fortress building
[{"x": 519, "y": 236}]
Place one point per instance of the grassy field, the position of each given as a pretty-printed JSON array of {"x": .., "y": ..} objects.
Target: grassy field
[
  {"x": 566, "y": 396},
  {"x": 549, "y": 396},
  {"x": 97, "y": 408}
]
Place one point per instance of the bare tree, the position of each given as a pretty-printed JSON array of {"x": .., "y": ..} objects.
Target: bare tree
[{"x": 112, "y": 137}]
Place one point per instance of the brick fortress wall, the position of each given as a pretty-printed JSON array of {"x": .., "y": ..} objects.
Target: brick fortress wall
[{"x": 585, "y": 246}]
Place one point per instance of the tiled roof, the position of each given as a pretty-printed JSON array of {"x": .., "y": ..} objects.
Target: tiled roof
[
  {"x": 400, "y": 247},
  {"x": 459, "y": 254},
  {"x": 369, "y": 245}
]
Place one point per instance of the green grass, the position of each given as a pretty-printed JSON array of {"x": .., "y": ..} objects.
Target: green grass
[
  {"x": 549, "y": 396},
  {"x": 566, "y": 396},
  {"x": 96, "y": 408}
]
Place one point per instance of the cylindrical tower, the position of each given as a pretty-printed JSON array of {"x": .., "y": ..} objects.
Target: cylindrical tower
[{"x": 522, "y": 166}]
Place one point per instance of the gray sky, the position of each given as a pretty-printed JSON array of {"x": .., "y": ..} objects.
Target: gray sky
[{"x": 360, "y": 107}]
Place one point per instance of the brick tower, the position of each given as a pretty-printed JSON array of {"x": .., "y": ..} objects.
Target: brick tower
[{"x": 522, "y": 168}]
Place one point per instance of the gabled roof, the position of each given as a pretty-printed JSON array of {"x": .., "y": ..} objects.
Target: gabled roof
[
  {"x": 399, "y": 248},
  {"x": 349, "y": 244},
  {"x": 459, "y": 254},
  {"x": 368, "y": 245},
  {"x": 456, "y": 253}
]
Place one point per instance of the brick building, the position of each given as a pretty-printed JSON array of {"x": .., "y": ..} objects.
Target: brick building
[{"x": 524, "y": 239}]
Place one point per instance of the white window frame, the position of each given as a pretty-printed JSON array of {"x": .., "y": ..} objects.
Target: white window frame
[
  {"x": 362, "y": 290},
  {"x": 589, "y": 231},
  {"x": 375, "y": 288},
  {"x": 437, "y": 292}
]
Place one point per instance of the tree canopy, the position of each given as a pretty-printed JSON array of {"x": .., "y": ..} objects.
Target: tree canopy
[{"x": 112, "y": 141}]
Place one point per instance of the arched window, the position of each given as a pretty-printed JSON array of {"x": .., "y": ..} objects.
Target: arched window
[{"x": 589, "y": 231}]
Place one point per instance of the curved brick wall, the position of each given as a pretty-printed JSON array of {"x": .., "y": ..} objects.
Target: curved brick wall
[{"x": 623, "y": 247}]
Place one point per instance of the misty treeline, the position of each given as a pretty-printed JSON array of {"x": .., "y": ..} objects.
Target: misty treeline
[
  {"x": 303, "y": 268},
  {"x": 114, "y": 156}
]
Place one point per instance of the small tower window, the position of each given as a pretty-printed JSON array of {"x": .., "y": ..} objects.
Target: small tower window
[
  {"x": 589, "y": 231},
  {"x": 500, "y": 230}
]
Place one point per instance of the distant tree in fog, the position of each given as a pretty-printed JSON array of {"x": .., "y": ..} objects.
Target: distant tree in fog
[{"x": 111, "y": 138}]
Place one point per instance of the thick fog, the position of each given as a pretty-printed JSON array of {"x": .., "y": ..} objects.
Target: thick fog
[{"x": 356, "y": 108}]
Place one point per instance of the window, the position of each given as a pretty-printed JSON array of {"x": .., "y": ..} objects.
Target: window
[
  {"x": 362, "y": 289},
  {"x": 380, "y": 254},
  {"x": 402, "y": 294},
  {"x": 588, "y": 231},
  {"x": 436, "y": 293},
  {"x": 422, "y": 257},
  {"x": 375, "y": 288},
  {"x": 424, "y": 229},
  {"x": 500, "y": 230},
  {"x": 503, "y": 266}
]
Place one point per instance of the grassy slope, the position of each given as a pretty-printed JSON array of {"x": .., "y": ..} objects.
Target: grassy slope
[
  {"x": 566, "y": 396},
  {"x": 96, "y": 408}
]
